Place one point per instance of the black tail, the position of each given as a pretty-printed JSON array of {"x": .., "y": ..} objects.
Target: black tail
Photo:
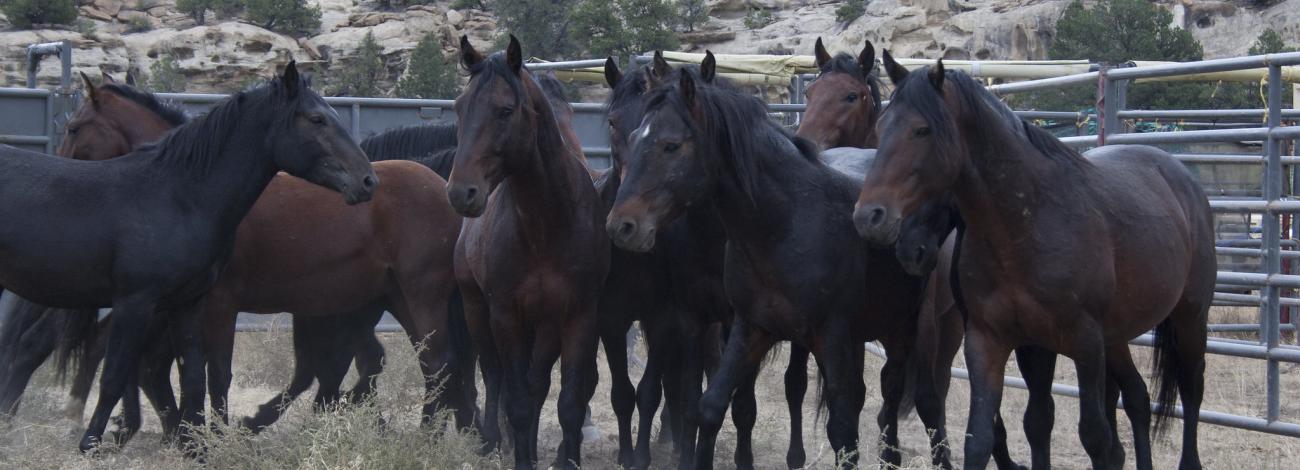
[
  {"x": 71, "y": 331},
  {"x": 78, "y": 330},
  {"x": 1165, "y": 368}
]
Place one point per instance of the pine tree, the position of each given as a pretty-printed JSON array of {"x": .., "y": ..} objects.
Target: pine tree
[
  {"x": 165, "y": 75},
  {"x": 293, "y": 17},
  {"x": 360, "y": 76},
  {"x": 429, "y": 74},
  {"x": 694, "y": 13}
]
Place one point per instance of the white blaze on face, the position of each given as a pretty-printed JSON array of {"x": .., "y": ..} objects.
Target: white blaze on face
[{"x": 646, "y": 132}]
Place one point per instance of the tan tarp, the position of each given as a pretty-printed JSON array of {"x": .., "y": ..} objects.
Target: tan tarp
[{"x": 779, "y": 69}]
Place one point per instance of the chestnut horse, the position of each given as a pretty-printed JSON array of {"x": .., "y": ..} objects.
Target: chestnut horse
[
  {"x": 844, "y": 101},
  {"x": 531, "y": 260},
  {"x": 1138, "y": 255},
  {"x": 794, "y": 270},
  {"x": 166, "y": 216}
]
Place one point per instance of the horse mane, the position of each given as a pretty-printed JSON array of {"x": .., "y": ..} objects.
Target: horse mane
[
  {"x": 552, "y": 86},
  {"x": 198, "y": 143},
  {"x": 917, "y": 92},
  {"x": 495, "y": 66},
  {"x": 169, "y": 112},
  {"x": 425, "y": 144},
  {"x": 733, "y": 122},
  {"x": 847, "y": 64}
]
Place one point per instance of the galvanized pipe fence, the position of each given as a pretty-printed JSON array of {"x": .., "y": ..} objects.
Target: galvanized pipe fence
[{"x": 369, "y": 115}]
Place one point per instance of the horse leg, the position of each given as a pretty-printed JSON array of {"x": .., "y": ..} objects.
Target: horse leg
[
  {"x": 515, "y": 356},
  {"x": 939, "y": 336},
  {"x": 841, "y": 360},
  {"x": 369, "y": 353},
  {"x": 477, "y": 322},
  {"x": 323, "y": 335},
  {"x": 893, "y": 385},
  {"x": 693, "y": 358},
  {"x": 1038, "y": 367},
  {"x": 578, "y": 377},
  {"x": 622, "y": 395},
  {"x": 189, "y": 343},
  {"x": 743, "y": 355},
  {"x": 131, "y": 321},
  {"x": 1187, "y": 325},
  {"x": 986, "y": 359},
  {"x": 423, "y": 303},
  {"x": 304, "y": 366},
  {"x": 1089, "y": 353},
  {"x": 84, "y": 378},
  {"x": 744, "y": 413},
  {"x": 156, "y": 383},
  {"x": 648, "y": 393},
  {"x": 218, "y": 316},
  {"x": 796, "y": 386}
]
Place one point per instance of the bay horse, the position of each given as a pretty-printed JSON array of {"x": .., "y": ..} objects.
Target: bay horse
[
  {"x": 844, "y": 101},
  {"x": 166, "y": 215},
  {"x": 531, "y": 259},
  {"x": 1138, "y": 255},
  {"x": 794, "y": 267}
]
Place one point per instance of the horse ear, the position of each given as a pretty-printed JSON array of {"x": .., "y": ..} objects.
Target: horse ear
[
  {"x": 709, "y": 67},
  {"x": 867, "y": 58},
  {"x": 468, "y": 56},
  {"x": 660, "y": 66},
  {"x": 130, "y": 78},
  {"x": 688, "y": 88},
  {"x": 515, "y": 55},
  {"x": 290, "y": 80},
  {"x": 936, "y": 75},
  {"x": 612, "y": 74},
  {"x": 90, "y": 88},
  {"x": 896, "y": 72},
  {"x": 819, "y": 51},
  {"x": 105, "y": 78}
]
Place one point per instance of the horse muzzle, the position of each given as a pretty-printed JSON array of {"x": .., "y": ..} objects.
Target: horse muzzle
[
  {"x": 877, "y": 224},
  {"x": 629, "y": 234},
  {"x": 468, "y": 200}
]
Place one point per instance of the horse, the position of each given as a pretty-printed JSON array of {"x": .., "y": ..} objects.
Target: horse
[
  {"x": 794, "y": 269},
  {"x": 531, "y": 259},
  {"x": 844, "y": 101},
  {"x": 113, "y": 119},
  {"x": 166, "y": 216},
  {"x": 1017, "y": 189}
]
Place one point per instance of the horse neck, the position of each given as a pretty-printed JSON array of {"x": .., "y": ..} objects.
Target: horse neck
[
  {"x": 782, "y": 179},
  {"x": 545, "y": 184},
  {"x": 1001, "y": 189},
  {"x": 237, "y": 174}
]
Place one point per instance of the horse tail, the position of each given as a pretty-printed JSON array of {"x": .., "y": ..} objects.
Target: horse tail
[
  {"x": 907, "y": 404},
  {"x": 1166, "y": 367},
  {"x": 77, "y": 331}
]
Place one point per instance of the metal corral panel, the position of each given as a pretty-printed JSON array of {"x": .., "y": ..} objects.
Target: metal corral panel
[{"x": 24, "y": 118}]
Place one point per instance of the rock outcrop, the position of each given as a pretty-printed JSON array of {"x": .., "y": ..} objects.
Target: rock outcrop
[{"x": 225, "y": 54}]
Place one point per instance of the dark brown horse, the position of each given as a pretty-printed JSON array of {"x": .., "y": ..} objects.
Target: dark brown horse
[
  {"x": 166, "y": 217},
  {"x": 844, "y": 101},
  {"x": 794, "y": 268},
  {"x": 677, "y": 290},
  {"x": 532, "y": 259},
  {"x": 1075, "y": 254}
]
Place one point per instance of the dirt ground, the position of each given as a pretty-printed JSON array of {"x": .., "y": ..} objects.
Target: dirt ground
[{"x": 40, "y": 438}]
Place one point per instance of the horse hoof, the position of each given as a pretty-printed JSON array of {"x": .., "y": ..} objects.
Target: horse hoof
[
  {"x": 796, "y": 459},
  {"x": 88, "y": 444}
]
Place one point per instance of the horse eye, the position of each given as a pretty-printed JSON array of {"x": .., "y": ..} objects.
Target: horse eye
[
  {"x": 852, "y": 97},
  {"x": 73, "y": 130},
  {"x": 672, "y": 147},
  {"x": 921, "y": 132},
  {"x": 316, "y": 119},
  {"x": 505, "y": 112}
]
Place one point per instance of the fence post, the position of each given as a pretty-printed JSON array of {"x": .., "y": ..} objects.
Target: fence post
[
  {"x": 1107, "y": 106},
  {"x": 1271, "y": 316}
]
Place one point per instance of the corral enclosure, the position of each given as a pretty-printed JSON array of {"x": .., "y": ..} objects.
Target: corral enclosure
[{"x": 1251, "y": 193}]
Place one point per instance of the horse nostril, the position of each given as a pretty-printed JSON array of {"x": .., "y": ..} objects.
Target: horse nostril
[
  {"x": 626, "y": 229},
  {"x": 368, "y": 182},
  {"x": 470, "y": 192},
  {"x": 920, "y": 253},
  {"x": 876, "y": 216}
]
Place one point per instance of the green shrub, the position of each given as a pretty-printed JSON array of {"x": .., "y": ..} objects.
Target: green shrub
[
  {"x": 138, "y": 24},
  {"x": 26, "y": 13},
  {"x": 292, "y": 17},
  {"x": 693, "y": 13},
  {"x": 850, "y": 10},
  {"x": 429, "y": 74},
  {"x": 165, "y": 75},
  {"x": 757, "y": 18}
]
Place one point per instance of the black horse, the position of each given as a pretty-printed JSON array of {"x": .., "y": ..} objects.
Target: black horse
[{"x": 166, "y": 216}]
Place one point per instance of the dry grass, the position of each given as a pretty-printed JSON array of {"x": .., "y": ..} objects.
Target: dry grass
[{"x": 350, "y": 438}]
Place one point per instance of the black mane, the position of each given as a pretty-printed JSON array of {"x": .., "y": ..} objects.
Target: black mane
[
  {"x": 492, "y": 67},
  {"x": 426, "y": 144},
  {"x": 552, "y": 86},
  {"x": 732, "y": 126},
  {"x": 198, "y": 143},
  {"x": 917, "y": 93},
  {"x": 169, "y": 112},
  {"x": 847, "y": 64}
]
